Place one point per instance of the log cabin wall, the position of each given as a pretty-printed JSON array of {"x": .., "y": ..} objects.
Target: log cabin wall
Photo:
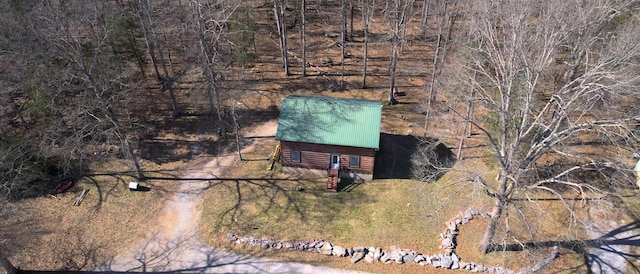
[{"x": 316, "y": 156}]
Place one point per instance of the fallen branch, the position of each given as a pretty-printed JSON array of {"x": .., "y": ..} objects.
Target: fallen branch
[{"x": 81, "y": 198}]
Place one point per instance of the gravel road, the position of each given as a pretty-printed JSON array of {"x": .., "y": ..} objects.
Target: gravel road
[{"x": 607, "y": 252}]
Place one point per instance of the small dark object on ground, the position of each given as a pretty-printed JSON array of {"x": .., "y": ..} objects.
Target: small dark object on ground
[
  {"x": 398, "y": 93},
  {"x": 133, "y": 186},
  {"x": 60, "y": 186}
]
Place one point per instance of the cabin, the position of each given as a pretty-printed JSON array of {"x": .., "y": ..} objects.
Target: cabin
[{"x": 338, "y": 137}]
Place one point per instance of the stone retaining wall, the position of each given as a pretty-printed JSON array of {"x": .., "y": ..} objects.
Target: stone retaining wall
[{"x": 394, "y": 254}]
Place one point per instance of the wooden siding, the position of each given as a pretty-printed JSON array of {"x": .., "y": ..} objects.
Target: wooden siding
[{"x": 315, "y": 156}]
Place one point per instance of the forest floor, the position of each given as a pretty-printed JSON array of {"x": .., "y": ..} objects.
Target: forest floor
[{"x": 162, "y": 225}]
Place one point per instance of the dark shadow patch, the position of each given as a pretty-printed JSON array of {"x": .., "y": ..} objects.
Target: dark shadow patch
[
  {"x": 162, "y": 151},
  {"x": 393, "y": 160},
  {"x": 348, "y": 184}
]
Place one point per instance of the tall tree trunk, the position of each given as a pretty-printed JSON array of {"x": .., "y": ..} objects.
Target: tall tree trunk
[
  {"x": 153, "y": 44},
  {"x": 502, "y": 199},
  {"x": 423, "y": 22},
  {"x": 124, "y": 139},
  {"x": 366, "y": 18},
  {"x": 214, "y": 105},
  {"x": 137, "y": 53},
  {"x": 443, "y": 42},
  {"x": 365, "y": 56},
  {"x": 433, "y": 83},
  {"x": 343, "y": 14},
  {"x": 140, "y": 6},
  {"x": 303, "y": 12},
  {"x": 208, "y": 65},
  {"x": 237, "y": 127},
  {"x": 427, "y": 115},
  {"x": 401, "y": 15},
  {"x": 351, "y": 11},
  {"x": 168, "y": 81},
  {"x": 132, "y": 156},
  {"x": 279, "y": 9},
  {"x": 343, "y": 10},
  {"x": 490, "y": 231},
  {"x": 113, "y": 119},
  {"x": 466, "y": 129},
  {"x": 392, "y": 68}
]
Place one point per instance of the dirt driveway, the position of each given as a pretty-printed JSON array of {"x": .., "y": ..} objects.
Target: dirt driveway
[{"x": 176, "y": 245}]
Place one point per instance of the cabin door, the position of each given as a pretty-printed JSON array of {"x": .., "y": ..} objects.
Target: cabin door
[{"x": 335, "y": 161}]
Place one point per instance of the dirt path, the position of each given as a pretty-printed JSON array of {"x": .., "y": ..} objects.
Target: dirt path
[
  {"x": 176, "y": 245},
  {"x": 607, "y": 253}
]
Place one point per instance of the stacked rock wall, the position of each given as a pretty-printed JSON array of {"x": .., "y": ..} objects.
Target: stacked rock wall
[{"x": 448, "y": 259}]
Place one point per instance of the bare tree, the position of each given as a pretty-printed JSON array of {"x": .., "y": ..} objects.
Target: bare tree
[
  {"x": 430, "y": 160},
  {"x": 303, "y": 38},
  {"x": 552, "y": 73},
  {"x": 399, "y": 16},
  {"x": 466, "y": 129},
  {"x": 154, "y": 46},
  {"x": 368, "y": 6},
  {"x": 424, "y": 27},
  {"x": 352, "y": 9},
  {"x": 343, "y": 39},
  {"x": 236, "y": 128},
  {"x": 447, "y": 13},
  {"x": 208, "y": 20},
  {"x": 45, "y": 127},
  {"x": 279, "y": 8},
  {"x": 21, "y": 167},
  {"x": 94, "y": 81}
]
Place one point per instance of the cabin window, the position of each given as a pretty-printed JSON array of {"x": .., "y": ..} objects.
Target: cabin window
[
  {"x": 295, "y": 156},
  {"x": 354, "y": 161}
]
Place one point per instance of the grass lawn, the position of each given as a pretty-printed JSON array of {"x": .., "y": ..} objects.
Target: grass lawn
[
  {"x": 382, "y": 212},
  {"x": 50, "y": 233}
]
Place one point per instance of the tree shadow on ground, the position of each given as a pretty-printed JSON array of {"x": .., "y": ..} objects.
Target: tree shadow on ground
[
  {"x": 393, "y": 160},
  {"x": 162, "y": 255},
  {"x": 116, "y": 184},
  {"x": 166, "y": 150},
  {"x": 305, "y": 199},
  {"x": 166, "y": 254},
  {"x": 625, "y": 236}
]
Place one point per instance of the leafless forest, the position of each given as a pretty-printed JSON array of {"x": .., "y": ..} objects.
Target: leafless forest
[{"x": 550, "y": 89}]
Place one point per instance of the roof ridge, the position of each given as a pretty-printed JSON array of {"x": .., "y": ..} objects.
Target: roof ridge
[{"x": 359, "y": 100}]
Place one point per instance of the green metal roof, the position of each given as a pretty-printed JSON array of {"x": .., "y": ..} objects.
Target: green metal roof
[{"x": 330, "y": 121}]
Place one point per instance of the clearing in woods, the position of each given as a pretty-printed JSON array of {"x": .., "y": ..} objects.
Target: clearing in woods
[{"x": 159, "y": 230}]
